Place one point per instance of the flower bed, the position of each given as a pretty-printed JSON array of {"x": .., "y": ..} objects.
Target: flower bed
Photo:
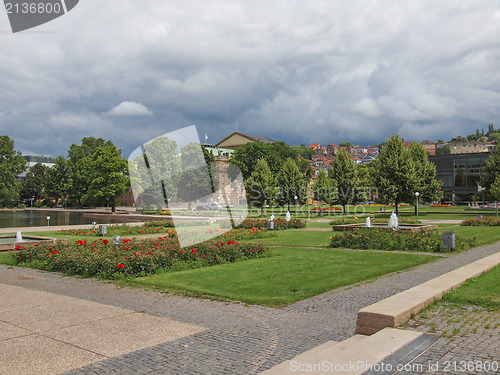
[
  {"x": 488, "y": 221},
  {"x": 387, "y": 239},
  {"x": 325, "y": 209},
  {"x": 279, "y": 224},
  {"x": 132, "y": 257}
]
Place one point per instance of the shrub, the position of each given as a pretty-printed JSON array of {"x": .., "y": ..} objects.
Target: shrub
[
  {"x": 279, "y": 224},
  {"x": 375, "y": 220},
  {"x": 132, "y": 257},
  {"x": 490, "y": 221},
  {"x": 387, "y": 239}
]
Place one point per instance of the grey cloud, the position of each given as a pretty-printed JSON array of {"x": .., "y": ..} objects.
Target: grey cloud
[{"x": 322, "y": 71}]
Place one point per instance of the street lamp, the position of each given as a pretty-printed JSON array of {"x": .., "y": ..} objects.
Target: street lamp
[
  {"x": 416, "y": 207},
  {"x": 116, "y": 241}
]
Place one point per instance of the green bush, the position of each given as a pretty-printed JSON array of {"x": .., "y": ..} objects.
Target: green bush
[
  {"x": 132, "y": 257},
  {"x": 374, "y": 220},
  {"x": 489, "y": 221},
  {"x": 279, "y": 224},
  {"x": 387, "y": 239}
]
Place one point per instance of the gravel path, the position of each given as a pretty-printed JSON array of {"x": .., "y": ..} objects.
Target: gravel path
[{"x": 241, "y": 339}]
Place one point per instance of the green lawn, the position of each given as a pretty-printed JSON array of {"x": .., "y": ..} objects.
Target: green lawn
[
  {"x": 484, "y": 234},
  {"x": 5, "y": 258},
  {"x": 294, "y": 237},
  {"x": 482, "y": 291},
  {"x": 291, "y": 275}
]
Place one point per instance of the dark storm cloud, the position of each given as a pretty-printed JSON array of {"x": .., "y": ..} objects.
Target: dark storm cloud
[{"x": 322, "y": 71}]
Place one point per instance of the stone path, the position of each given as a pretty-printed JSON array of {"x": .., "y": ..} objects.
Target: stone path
[
  {"x": 469, "y": 339},
  {"x": 240, "y": 339}
]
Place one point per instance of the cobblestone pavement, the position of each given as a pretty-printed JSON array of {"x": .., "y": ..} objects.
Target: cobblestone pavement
[
  {"x": 241, "y": 339},
  {"x": 469, "y": 340}
]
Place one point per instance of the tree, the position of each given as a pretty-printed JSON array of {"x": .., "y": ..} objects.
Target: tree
[
  {"x": 197, "y": 179},
  {"x": 322, "y": 189},
  {"x": 494, "y": 191},
  {"x": 81, "y": 167},
  {"x": 109, "y": 177},
  {"x": 291, "y": 183},
  {"x": 12, "y": 164},
  {"x": 304, "y": 151},
  {"x": 34, "y": 184},
  {"x": 395, "y": 177},
  {"x": 490, "y": 172},
  {"x": 260, "y": 186},
  {"x": 345, "y": 144},
  {"x": 427, "y": 185},
  {"x": 275, "y": 154},
  {"x": 155, "y": 174},
  {"x": 344, "y": 179},
  {"x": 57, "y": 180},
  {"x": 444, "y": 150}
]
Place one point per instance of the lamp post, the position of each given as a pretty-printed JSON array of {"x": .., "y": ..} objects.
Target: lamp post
[
  {"x": 116, "y": 241},
  {"x": 48, "y": 221},
  {"x": 416, "y": 207}
]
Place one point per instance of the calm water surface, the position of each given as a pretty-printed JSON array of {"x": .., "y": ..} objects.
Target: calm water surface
[{"x": 28, "y": 218}]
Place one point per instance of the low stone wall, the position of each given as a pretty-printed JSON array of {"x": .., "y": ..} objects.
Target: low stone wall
[{"x": 34, "y": 239}]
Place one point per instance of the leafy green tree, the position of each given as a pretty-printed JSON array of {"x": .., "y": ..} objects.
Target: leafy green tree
[
  {"x": 322, "y": 189},
  {"x": 427, "y": 185},
  {"x": 494, "y": 191},
  {"x": 490, "y": 172},
  {"x": 81, "y": 166},
  {"x": 445, "y": 150},
  {"x": 12, "y": 164},
  {"x": 344, "y": 179},
  {"x": 109, "y": 177},
  {"x": 155, "y": 175},
  {"x": 304, "y": 151},
  {"x": 57, "y": 180},
  {"x": 246, "y": 158},
  {"x": 395, "y": 177},
  {"x": 275, "y": 154},
  {"x": 260, "y": 186},
  {"x": 290, "y": 182},
  {"x": 345, "y": 144},
  {"x": 34, "y": 184},
  {"x": 197, "y": 179}
]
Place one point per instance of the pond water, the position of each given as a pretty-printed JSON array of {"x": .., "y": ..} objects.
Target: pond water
[{"x": 35, "y": 218}]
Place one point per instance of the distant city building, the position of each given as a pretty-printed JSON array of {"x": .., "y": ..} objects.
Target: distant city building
[
  {"x": 469, "y": 147},
  {"x": 430, "y": 147},
  {"x": 237, "y": 139},
  {"x": 460, "y": 174},
  {"x": 32, "y": 160}
]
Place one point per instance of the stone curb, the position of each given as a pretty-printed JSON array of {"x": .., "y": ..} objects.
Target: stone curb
[{"x": 397, "y": 310}]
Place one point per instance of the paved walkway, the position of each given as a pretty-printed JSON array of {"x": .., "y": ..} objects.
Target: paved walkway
[{"x": 239, "y": 339}]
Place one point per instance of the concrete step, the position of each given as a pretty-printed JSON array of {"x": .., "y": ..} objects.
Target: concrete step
[{"x": 352, "y": 356}]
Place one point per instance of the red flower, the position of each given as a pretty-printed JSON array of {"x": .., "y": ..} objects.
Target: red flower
[
  {"x": 105, "y": 242},
  {"x": 150, "y": 253},
  {"x": 54, "y": 252},
  {"x": 182, "y": 252},
  {"x": 140, "y": 231},
  {"x": 79, "y": 242},
  {"x": 120, "y": 265},
  {"x": 126, "y": 240},
  {"x": 231, "y": 242},
  {"x": 194, "y": 251}
]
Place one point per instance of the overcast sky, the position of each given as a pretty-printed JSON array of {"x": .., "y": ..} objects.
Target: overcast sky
[{"x": 302, "y": 72}]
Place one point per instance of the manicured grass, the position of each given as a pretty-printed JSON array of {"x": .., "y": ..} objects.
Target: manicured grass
[
  {"x": 302, "y": 238},
  {"x": 291, "y": 275},
  {"x": 6, "y": 259},
  {"x": 482, "y": 291},
  {"x": 315, "y": 224},
  {"x": 484, "y": 235}
]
